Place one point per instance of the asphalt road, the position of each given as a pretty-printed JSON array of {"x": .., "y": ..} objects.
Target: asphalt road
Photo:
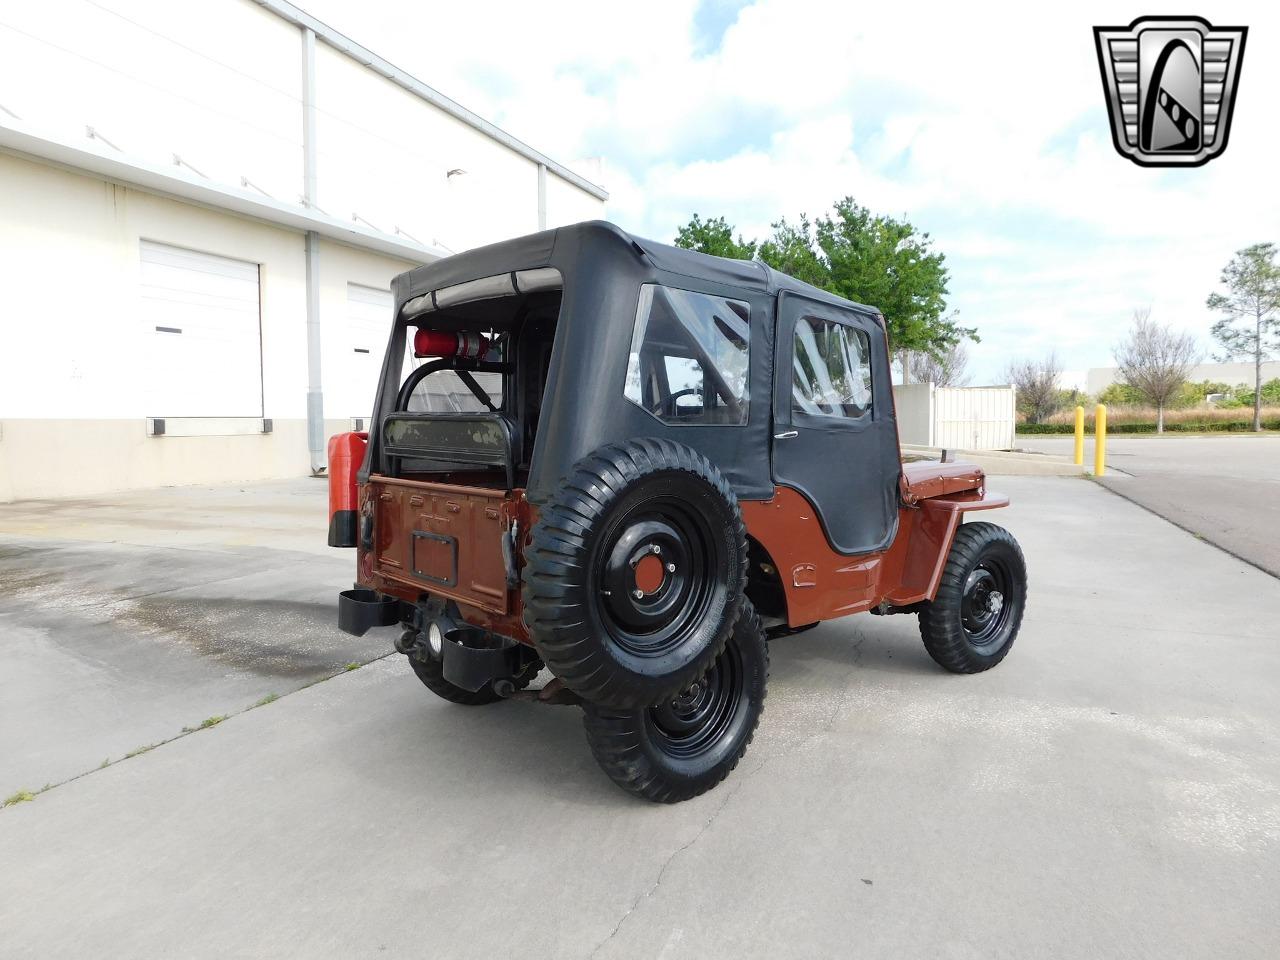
[
  {"x": 1111, "y": 790},
  {"x": 1225, "y": 489}
]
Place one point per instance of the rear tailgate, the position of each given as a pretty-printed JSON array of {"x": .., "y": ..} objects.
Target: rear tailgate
[{"x": 444, "y": 540}]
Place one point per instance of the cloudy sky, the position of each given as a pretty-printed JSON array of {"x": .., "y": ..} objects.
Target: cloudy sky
[{"x": 984, "y": 125}]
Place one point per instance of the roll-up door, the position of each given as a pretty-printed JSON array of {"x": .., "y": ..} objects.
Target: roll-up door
[
  {"x": 202, "y": 325},
  {"x": 353, "y": 347}
]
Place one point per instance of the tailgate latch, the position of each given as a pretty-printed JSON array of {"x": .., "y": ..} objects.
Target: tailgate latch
[{"x": 509, "y": 540}]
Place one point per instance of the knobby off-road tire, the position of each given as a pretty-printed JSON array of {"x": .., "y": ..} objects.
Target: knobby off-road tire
[
  {"x": 429, "y": 672},
  {"x": 635, "y": 573},
  {"x": 682, "y": 748},
  {"x": 972, "y": 622}
]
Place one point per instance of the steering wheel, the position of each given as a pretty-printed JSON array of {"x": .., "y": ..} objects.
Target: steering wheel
[{"x": 669, "y": 403}]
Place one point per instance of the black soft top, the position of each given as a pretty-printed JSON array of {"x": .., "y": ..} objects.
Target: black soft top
[
  {"x": 593, "y": 245},
  {"x": 602, "y": 269}
]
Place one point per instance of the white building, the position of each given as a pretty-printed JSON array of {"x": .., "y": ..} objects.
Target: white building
[
  {"x": 1232, "y": 374},
  {"x": 201, "y": 209}
]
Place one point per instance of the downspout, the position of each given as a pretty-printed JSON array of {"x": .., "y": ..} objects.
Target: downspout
[
  {"x": 315, "y": 393},
  {"x": 542, "y": 196}
]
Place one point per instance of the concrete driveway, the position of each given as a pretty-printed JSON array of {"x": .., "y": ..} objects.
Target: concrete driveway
[
  {"x": 1224, "y": 488},
  {"x": 128, "y": 618},
  {"x": 1111, "y": 790}
]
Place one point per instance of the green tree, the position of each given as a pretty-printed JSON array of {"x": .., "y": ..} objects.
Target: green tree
[
  {"x": 867, "y": 258},
  {"x": 1198, "y": 393},
  {"x": 889, "y": 264},
  {"x": 1244, "y": 396},
  {"x": 1120, "y": 395},
  {"x": 714, "y": 237},
  {"x": 1250, "y": 309},
  {"x": 792, "y": 250}
]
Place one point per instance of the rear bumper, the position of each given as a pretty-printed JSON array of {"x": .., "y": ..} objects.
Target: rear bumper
[{"x": 359, "y": 609}]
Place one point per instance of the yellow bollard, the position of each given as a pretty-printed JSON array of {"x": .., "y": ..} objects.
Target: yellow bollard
[
  {"x": 1100, "y": 440},
  {"x": 1079, "y": 436}
]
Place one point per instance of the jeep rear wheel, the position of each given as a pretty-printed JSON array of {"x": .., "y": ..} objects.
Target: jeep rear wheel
[
  {"x": 635, "y": 573},
  {"x": 972, "y": 622},
  {"x": 686, "y": 745}
]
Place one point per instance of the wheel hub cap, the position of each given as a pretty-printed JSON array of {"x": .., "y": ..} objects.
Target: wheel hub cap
[
  {"x": 983, "y": 611},
  {"x": 649, "y": 574},
  {"x": 696, "y": 720},
  {"x": 653, "y": 580}
]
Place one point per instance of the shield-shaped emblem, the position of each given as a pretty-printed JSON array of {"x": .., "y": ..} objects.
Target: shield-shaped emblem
[{"x": 1170, "y": 84}]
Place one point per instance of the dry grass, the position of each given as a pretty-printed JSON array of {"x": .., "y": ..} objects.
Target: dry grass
[{"x": 1135, "y": 414}]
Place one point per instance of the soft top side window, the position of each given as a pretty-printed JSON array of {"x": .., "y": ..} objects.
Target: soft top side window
[
  {"x": 831, "y": 374},
  {"x": 690, "y": 357}
]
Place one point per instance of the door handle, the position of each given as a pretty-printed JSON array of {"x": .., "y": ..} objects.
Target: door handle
[{"x": 786, "y": 435}]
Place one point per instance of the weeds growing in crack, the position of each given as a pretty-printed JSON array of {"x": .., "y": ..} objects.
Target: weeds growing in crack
[{"x": 206, "y": 723}]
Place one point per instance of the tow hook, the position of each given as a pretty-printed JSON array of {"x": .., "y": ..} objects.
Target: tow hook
[
  {"x": 409, "y": 643},
  {"x": 504, "y": 688},
  {"x": 555, "y": 693}
]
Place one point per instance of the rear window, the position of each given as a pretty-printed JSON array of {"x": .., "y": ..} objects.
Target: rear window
[
  {"x": 457, "y": 391},
  {"x": 690, "y": 357},
  {"x": 451, "y": 391}
]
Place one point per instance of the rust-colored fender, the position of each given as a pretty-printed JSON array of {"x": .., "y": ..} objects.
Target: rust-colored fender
[
  {"x": 346, "y": 454},
  {"x": 929, "y": 528}
]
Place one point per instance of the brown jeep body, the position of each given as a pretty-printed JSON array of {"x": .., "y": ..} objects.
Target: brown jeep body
[{"x": 862, "y": 532}]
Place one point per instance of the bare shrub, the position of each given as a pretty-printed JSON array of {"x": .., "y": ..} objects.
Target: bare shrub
[
  {"x": 950, "y": 368},
  {"x": 1156, "y": 361},
  {"x": 1037, "y": 383}
]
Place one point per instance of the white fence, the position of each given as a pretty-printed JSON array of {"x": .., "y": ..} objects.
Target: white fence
[{"x": 959, "y": 418}]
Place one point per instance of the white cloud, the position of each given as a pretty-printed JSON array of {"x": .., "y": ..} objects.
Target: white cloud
[{"x": 983, "y": 124}]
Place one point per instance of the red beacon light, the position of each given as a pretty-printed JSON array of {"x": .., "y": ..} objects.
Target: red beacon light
[{"x": 446, "y": 343}]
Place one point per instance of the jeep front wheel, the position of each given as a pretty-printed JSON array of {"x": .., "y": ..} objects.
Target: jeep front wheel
[
  {"x": 686, "y": 745},
  {"x": 971, "y": 623},
  {"x": 635, "y": 573}
]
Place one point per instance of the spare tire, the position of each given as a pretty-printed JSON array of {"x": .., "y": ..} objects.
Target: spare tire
[{"x": 635, "y": 572}]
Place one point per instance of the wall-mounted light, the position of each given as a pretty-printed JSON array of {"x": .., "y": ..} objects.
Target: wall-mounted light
[{"x": 455, "y": 172}]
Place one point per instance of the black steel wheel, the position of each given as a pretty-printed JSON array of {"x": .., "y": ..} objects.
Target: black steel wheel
[
  {"x": 972, "y": 622},
  {"x": 635, "y": 573},
  {"x": 428, "y": 669},
  {"x": 690, "y": 742}
]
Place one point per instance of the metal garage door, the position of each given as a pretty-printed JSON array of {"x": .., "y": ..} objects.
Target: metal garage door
[
  {"x": 354, "y": 346},
  {"x": 202, "y": 326}
]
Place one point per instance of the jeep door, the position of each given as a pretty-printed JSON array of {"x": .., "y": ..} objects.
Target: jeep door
[{"x": 834, "y": 435}]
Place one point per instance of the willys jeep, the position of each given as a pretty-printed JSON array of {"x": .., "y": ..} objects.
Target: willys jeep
[{"x": 632, "y": 465}]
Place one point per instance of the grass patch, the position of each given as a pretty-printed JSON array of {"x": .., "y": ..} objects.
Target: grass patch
[
  {"x": 269, "y": 698},
  {"x": 139, "y": 751},
  {"x": 351, "y": 666},
  {"x": 21, "y": 796},
  {"x": 206, "y": 723}
]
